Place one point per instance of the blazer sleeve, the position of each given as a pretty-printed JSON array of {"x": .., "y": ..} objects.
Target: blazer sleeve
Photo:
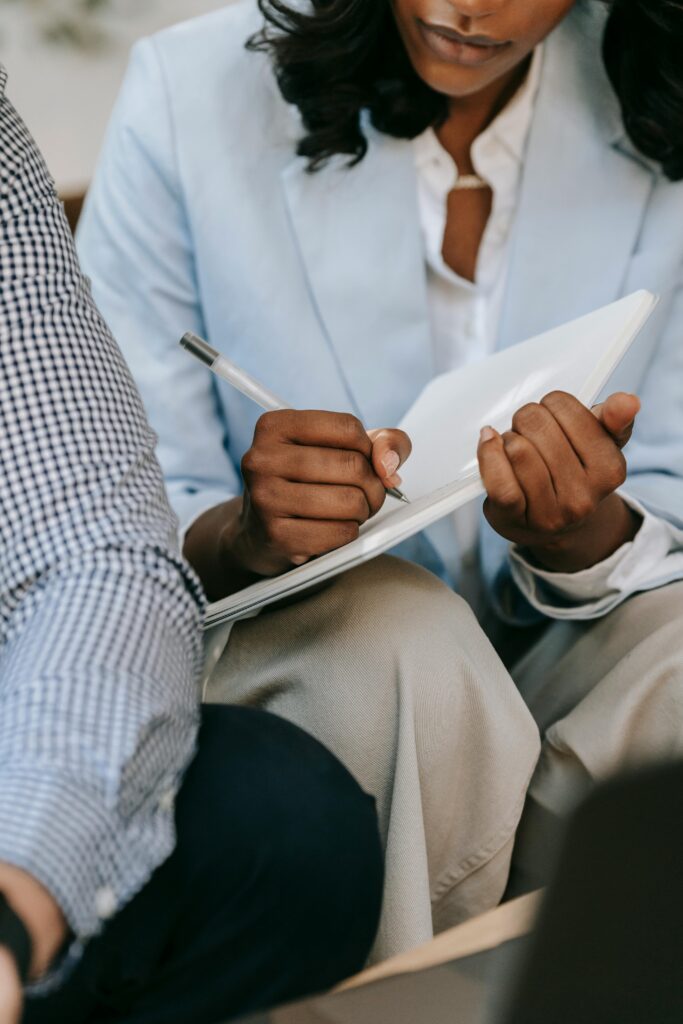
[
  {"x": 135, "y": 243},
  {"x": 655, "y": 453}
]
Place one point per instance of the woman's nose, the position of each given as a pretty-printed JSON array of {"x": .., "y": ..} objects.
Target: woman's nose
[{"x": 475, "y": 10}]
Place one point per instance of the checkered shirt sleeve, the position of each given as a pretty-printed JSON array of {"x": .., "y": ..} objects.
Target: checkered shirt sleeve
[{"x": 100, "y": 640}]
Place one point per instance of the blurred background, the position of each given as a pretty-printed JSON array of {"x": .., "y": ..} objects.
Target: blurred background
[{"x": 65, "y": 60}]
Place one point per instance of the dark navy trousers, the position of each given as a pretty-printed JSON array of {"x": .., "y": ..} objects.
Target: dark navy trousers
[{"x": 273, "y": 891}]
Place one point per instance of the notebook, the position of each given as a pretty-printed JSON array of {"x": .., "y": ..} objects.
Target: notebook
[{"x": 444, "y": 423}]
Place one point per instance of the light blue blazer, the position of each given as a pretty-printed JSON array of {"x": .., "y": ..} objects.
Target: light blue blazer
[{"x": 202, "y": 217}]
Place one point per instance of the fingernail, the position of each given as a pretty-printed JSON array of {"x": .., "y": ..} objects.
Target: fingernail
[
  {"x": 391, "y": 461},
  {"x": 486, "y": 434},
  {"x": 299, "y": 559}
]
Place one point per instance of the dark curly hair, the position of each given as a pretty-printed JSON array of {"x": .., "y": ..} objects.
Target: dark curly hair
[{"x": 337, "y": 59}]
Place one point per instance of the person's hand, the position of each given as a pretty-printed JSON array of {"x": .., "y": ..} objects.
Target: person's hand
[
  {"x": 11, "y": 992},
  {"x": 551, "y": 479},
  {"x": 311, "y": 479}
]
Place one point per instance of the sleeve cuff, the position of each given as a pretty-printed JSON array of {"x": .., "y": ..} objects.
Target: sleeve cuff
[
  {"x": 97, "y": 862},
  {"x": 595, "y": 591}
]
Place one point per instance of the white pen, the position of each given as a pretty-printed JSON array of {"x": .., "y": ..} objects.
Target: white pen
[{"x": 244, "y": 382}]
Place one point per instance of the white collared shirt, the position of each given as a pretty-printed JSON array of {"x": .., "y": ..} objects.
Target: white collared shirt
[
  {"x": 465, "y": 319},
  {"x": 465, "y": 315}
]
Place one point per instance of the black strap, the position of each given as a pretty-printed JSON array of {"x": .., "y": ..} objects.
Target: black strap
[{"x": 15, "y": 937}]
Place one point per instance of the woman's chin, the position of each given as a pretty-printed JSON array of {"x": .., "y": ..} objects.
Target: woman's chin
[{"x": 459, "y": 80}]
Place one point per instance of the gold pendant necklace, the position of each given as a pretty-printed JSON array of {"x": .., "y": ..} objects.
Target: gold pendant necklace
[{"x": 470, "y": 181}]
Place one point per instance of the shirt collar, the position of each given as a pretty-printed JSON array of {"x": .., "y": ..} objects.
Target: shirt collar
[{"x": 512, "y": 125}]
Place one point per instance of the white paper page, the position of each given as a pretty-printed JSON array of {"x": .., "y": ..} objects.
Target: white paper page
[
  {"x": 578, "y": 357},
  {"x": 441, "y": 475}
]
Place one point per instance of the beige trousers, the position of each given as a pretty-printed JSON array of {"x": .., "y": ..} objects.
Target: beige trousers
[
  {"x": 607, "y": 695},
  {"x": 390, "y": 670}
]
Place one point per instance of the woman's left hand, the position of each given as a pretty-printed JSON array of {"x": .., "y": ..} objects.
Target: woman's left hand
[{"x": 551, "y": 480}]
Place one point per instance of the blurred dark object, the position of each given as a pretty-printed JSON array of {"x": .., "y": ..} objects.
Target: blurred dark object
[
  {"x": 73, "y": 206},
  {"x": 608, "y": 947}
]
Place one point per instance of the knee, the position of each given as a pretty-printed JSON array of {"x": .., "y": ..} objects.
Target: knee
[
  {"x": 278, "y": 803},
  {"x": 407, "y": 631},
  {"x": 392, "y": 589},
  {"x": 396, "y": 609},
  {"x": 651, "y": 616}
]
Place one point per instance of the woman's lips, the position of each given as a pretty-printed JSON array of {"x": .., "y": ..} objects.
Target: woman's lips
[{"x": 450, "y": 45}]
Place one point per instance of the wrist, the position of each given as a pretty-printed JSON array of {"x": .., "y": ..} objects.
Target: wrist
[
  {"x": 613, "y": 524},
  {"x": 246, "y": 558},
  {"x": 216, "y": 545},
  {"x": 239, "y": 557}
]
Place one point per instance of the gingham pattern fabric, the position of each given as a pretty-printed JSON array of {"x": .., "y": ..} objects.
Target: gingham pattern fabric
[{"x": 100, "y": 643}]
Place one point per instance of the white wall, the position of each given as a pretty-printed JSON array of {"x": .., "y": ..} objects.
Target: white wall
[{"x": 65, "y": 95}]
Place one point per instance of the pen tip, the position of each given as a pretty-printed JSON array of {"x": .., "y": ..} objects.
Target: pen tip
[{"x": 399, "y": 495}]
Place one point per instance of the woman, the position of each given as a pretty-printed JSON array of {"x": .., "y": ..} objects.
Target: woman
[{"x": 313, "y": 223}]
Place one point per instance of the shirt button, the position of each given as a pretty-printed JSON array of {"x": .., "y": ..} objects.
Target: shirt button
[
  {"x": 105, "y": 902},
  {"x": 167, "y": 800}
]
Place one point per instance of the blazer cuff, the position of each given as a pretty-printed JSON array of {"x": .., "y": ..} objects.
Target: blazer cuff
[{"x": 594, "y": 592}]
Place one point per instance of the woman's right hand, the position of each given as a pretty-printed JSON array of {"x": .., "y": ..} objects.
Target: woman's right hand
[{"x": 311, "y": 479}]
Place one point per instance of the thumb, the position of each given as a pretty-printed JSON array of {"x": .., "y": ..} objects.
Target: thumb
[
  {"x": 617, "y": 415},
  {"x": 390, "y": 449}
]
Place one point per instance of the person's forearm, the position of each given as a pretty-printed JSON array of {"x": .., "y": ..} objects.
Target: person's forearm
[
  {"x": 39, "y": 912},
  {"x": 212, "y": 547},
  {"x": 614, "y": 523}
]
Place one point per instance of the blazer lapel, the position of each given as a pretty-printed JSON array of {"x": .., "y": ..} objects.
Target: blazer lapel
[
  {"x": 584, "y": 191},
  {"x": 358, "y": 236}
]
